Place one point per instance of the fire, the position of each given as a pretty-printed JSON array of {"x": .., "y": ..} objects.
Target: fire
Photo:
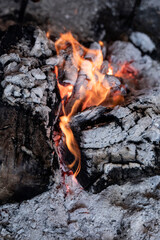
[
  {"x": 96, "y": 93},
  {"x": 48, "y": 34},
  {"x": 110, "y": 71},
  {"x": 65, "y": 90},
  {"x": 101, "y": 43}
]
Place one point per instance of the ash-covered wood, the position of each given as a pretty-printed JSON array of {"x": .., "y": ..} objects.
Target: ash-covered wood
[
  {"x": 28, "y": 105},
  {"x": 119, "y": 145}
]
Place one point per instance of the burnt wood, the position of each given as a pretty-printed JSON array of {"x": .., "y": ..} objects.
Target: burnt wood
[{"x": 119, "y": 145}]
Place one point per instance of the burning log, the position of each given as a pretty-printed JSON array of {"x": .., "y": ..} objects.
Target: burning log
[
  {"x": 121, "y": 144},
  {"x": 115, "y": 145}
]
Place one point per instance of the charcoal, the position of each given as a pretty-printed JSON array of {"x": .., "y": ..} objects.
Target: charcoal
[
  {"x": 121, "y": 52},
  {"x": 20, "y": 79},
  {"x": 8, "y": 90},
  {"x": 112, "y": 82},
  {"x": 17, "y": 91},
  {"x": 26, "y": 93},
  {"x": 104, "y": 50},
  {"x": 38, "y": 74},
  {"x": 16, "y": 127},
  {"x": 42, "y": 45},
  {"x": 142, "y": 41},
  {"x": 70, "y": 71},
  {"x": 30, "y": 61},
  {"x": 23, "y": 69},
  {"x": 104, "y": 67},
  {"x": 107, "y": 215},
  {"x": 119, "y": 150},
  {"x": 11, "y": 67},
  {"x": 34, "y": 97},
  {"x": 39, "y": 90},
  {"x": 91, "y": 56},
  {"x": 26, "y": 74},
  {"x": 9, "y": 58},
  {"x": 147, "y": 15},
  {"x": 52, "y": 61}
]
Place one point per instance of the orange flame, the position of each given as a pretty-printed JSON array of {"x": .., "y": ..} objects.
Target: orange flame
[
  {"x": 48, "y": 34},
  {"x": 65, "y": 90},
  {"x": 101, "y": 43},
  {"x": 88, "y": 61}
]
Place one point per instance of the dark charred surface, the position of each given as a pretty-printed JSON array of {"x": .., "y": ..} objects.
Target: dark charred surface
[
  {"x": 13, "y": 35},
  {"x": 25, "y": 155}
]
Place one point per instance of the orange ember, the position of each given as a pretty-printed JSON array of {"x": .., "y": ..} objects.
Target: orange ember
[
  {"x": 110, "y": 71},
  {"x": 94, "y": 94}
]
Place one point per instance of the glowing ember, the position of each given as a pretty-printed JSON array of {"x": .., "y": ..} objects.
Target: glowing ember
[
  {"x": 97, "y": 92},
  {"x": 110, "y": 71}
]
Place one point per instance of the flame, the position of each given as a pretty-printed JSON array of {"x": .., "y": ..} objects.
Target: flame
[
  {"x": 65, "y": 90},
  {"x": 88, "y": 61},
  {"x": 101, "y": 43},
  {"x": 56, "y": 71},
  {"x": 48, "y": 34}
]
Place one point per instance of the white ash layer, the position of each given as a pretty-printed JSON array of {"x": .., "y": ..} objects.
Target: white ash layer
[
  {"x": 26, "y": 80},
  {"x": 142, "y": 41},
  {"x": 130, "y": 211}
]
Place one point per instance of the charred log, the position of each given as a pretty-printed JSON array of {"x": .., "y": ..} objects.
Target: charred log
[
  {"x": 25, "y": 155},
  {"x": 119, "y": 145},
  {"x": 28, "y": 104}
]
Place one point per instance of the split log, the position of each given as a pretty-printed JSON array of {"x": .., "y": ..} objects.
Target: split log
[{"x": 119, "y": 145}]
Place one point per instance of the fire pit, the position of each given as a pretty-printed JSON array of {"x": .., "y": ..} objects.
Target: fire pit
[{"x": 80, "y": 126}]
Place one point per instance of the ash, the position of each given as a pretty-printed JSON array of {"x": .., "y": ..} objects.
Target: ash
[{"x": 118, "y": 212}]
